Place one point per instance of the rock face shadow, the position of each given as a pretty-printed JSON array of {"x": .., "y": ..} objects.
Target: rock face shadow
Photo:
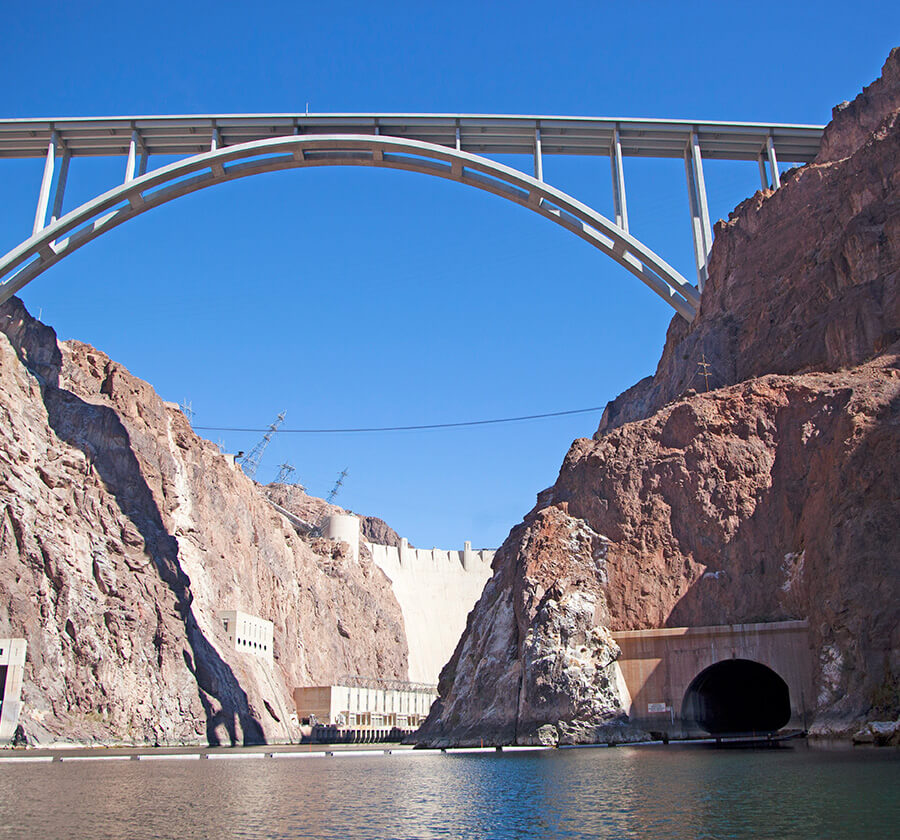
[{"x": 99, "y": 433}]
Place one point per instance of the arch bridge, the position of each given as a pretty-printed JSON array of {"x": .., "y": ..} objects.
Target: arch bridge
[{"x": 213, "y": 149}]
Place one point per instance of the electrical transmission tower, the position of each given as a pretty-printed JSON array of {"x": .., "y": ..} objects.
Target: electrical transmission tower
[
  {"x": 285, "y": 471},
  {"x": 337, "y": 486},
  {"x": 251, "y": 460},
  {"x": 187, "y": 408}
]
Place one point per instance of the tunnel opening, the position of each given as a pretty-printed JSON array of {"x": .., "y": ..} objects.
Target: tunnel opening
[{"x": 737, "y": 696}]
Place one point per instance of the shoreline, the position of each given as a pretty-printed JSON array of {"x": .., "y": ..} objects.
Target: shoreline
[{"x": 61, "y": 754}]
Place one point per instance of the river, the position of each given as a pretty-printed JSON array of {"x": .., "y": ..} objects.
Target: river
[{"x": 646, "y": 792}]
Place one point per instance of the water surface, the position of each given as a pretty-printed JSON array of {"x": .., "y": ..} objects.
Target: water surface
[{"x": 627, "y": 792}]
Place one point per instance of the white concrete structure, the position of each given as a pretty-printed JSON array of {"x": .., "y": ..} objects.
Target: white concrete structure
[
  {"x": 12, "y": 672},
  {"x": 365, "y": 704},
  {"x": 249, "y": 633},
  {"x": 344, "y": 527},
  {"x": 219, "y": 148},
  {"x": 436, "y": 590}
]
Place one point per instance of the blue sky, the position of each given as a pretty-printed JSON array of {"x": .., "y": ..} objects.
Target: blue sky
[{"x": 353, "y": 298}]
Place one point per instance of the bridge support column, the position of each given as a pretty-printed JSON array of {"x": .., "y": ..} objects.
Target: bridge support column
[
  {"x": 618, "y": 180},
  {"x": 538, "y": 158},
  {"x": 701, "y": 229},
  {"x": 773, "y": 162},
  {"x": 60, "y": 187},
  {"x": 40, "y": 215},
  {"x": 132, "y": 157},
  {"x": 763, "y": 175}
]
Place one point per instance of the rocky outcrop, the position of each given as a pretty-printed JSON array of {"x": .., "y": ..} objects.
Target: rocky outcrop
[
  {"x": 773, "y": 496},
  {"x": 854, "y": 123},
  {"x": 375, "y": 530},
  {"x": 536, "y": 662},
  {"x": 879, "y": 733},
  {"x": 123, "y": 534}
]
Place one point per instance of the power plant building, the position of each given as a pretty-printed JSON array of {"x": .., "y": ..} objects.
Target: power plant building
[{"x": 365, "y": 704}]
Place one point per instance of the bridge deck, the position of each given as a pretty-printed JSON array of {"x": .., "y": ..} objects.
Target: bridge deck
[{"x": 478, "y": 133}]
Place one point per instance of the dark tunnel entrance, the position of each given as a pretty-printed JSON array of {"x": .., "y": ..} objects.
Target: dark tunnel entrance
[{"x": 737, "y": 696}]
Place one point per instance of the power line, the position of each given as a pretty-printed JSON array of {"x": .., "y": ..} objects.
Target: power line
[{"x": 404, "y": 428}]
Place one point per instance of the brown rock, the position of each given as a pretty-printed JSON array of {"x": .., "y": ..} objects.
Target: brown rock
[
  {"x": 853, "y": 123},
  {"x": 804, "y": 278}
]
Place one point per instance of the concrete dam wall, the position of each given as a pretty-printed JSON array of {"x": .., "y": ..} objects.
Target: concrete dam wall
[{"x": 436, "y": 590}]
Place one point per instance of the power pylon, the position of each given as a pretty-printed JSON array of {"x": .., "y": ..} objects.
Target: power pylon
[
  {"x": 285, "y": 471},
  {"x": 251, "y": 460},
  {"x": 337, "y": 485}
]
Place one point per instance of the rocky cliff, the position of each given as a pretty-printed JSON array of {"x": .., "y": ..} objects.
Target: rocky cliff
[
  {"x": 803, "y": 278},
  {"x": 123, "y": 534},
  {"x": 774, "y": 495}
]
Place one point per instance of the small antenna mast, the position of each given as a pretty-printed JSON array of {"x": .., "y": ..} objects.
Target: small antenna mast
[{"x": 704, "y": 369}]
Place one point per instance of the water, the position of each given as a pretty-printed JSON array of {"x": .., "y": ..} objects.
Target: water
[{"x": 629, "y": 792}]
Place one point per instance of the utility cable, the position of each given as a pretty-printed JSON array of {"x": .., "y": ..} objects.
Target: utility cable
[{"x": 404, "y": 428}]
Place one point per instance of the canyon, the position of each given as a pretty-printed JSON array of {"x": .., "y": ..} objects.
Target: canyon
[{"x": 767, "y": 492}]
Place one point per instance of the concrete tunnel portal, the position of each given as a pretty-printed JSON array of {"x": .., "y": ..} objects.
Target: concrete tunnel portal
[{"x": 737, "y": 696}]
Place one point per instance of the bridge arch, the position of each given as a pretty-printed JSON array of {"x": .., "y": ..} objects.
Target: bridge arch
[
  {"x": 122, "y": 203},
  {"x": 737, "y": 696}
]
